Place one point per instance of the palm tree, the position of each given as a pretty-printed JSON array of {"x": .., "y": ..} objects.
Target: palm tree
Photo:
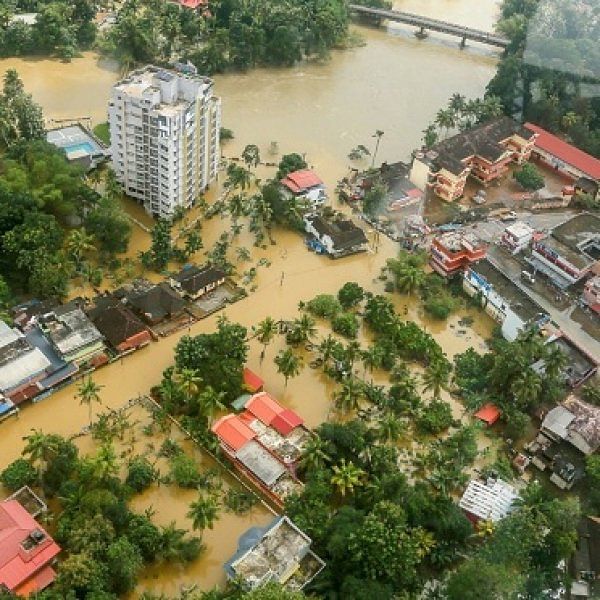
[
  {"x": 390, "y": 428},
  {"x": 457, "y": 103},
  {"x": 78, "y": 244},
  {"x": 88, "y": 392},
  {"x": 445, "y": 119},
  {"x": 188, "y": 382},
  {"x": 346, "y": 477},
  {"x": 112, "y": 186},
  {"x": 327, "y": 348},
  {"x": 237, "y": 207},
  {"x": 554, "y": 362},
  {"x": 210, "y": 402},
  {"x": 306, "y": 325},
  {"x": 251, "y": 155},
  {"x": 265, "y": 331},
  {"x": 372, "y": 358},
  {"x": 351, "y": 352},
  {"x": 348, "y": 397},
  {"x": 203, "y": 512},
  {"x": 378, "y": 135},
  {"x": 40, "y": 448},
  {"x": 288, "y": 364},
  {"x": 527, "y": 387},
  {"x": 315, "y": 455},
  {"x": 409, "y": 279},
  {"x": 237, "y": 177},
  {"x": 436, "y": 378}
]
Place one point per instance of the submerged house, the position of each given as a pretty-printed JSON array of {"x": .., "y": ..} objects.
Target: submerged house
[
  {"x": 154, "y": 304},
  {"x": 72, "y": 334},
  {"x": 27, "y": 552},
  {"x": 119, "y": 326},
  {"x": 279, "y": 552},
  {"x": 193, "y": 282},
  {"x": 305, "y": 185},
  {"x": 336, "y": 236}
]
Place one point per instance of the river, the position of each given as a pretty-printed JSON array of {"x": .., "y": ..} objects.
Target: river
[{"x": 394, "y": 83}]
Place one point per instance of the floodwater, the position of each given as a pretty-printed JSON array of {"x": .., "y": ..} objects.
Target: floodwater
[{"x": 394, "y": 83}]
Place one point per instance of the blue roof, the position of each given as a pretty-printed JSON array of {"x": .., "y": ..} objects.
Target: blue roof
[
  {"x": 6, "y": 406},
  {"x": 248, "y": 540},
  {"x": 37, "y": 338}
]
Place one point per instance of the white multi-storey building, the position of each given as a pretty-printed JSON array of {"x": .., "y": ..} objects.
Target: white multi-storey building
[{"x": 164, "y": 129}]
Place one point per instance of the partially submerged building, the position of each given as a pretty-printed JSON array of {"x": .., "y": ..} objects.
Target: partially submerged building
[
  {"x": 73, "y": 335},
  {"x": 576, "y": 422},
  {"x": 280, "y": 553},
  {"x": 264, "y": 442},
  {"x": 305, "y": 185},
  {"x": 489, "y": 500},
  {"x": 454, "y": 251},
  {"x": 483, "y": 153},
  {"x": 502, "y": 299},
  {"x": 579, "y": 367},
  {"x": 154, "y": 304},
  {"x": 122, "y": 330},
  {"x": 27, "y": 551},
  {"x": 570, "y": 252},
  {"x": 193, "y": 282},
  {"x": 336, "y": 236}
]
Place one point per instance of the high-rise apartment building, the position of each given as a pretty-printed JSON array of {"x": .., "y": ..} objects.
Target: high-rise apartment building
[{"x": 164, "y": 128}]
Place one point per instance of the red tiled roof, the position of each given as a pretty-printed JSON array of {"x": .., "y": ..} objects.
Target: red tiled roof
[
  {"x": 233, "y": 432},
  {"x": 264, "y": 407},
  {"x": 252, "y": 382},
  {"x": 286, "y": 421},
  {"x": 193, "y": 3},
  {"x": 298, "y": 181},
  {"x": 488, "y": 413},
  {"x": 566, "y": 152},
  {"x": 20, "y": 568}
]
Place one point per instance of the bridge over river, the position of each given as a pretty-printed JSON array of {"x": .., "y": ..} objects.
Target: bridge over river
[{"x": 427, "y": 24}]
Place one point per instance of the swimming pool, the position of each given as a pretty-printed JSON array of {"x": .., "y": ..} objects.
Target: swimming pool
[{"x": 86, "y": 147}]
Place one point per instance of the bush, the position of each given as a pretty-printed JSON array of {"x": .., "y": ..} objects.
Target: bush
[
  {"x": 17, "y": 474},
  {"x": 350, "y": 295},
  {"x": 435, "y": 417},
  {"x": 323, "y": 305},
  {"x": 529, "y": 177},
  {"x": 440, "y": 306},
  {"x": 346, "y": 324},
  {"x": 140, "y": 474},
  {"x": 184, "y": 471}
]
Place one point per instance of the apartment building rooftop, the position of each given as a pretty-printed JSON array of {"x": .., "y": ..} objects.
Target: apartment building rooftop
[
  {"x": 457, "y": 241},
  {"x": 577, "y": 240},
  {"x": 518, "y": 301},
  {"x": 482, "y": 140}
]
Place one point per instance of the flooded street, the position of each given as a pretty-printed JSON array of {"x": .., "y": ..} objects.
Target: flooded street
[{"x": 395, "y": 83}]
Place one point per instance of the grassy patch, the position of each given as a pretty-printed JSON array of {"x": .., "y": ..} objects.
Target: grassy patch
[{"x": 102, "y": 132}]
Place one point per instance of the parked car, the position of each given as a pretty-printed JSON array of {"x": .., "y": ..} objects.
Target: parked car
[
  {"x": 528, "y": 277},
  {"x": 509, "y": 217}
]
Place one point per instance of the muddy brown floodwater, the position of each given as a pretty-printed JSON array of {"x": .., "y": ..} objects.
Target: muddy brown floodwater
[{"x": 394, "y": 83}]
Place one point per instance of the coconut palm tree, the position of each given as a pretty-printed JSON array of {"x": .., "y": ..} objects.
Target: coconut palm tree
[
  {"x": 409, "y": 279},
  {"x": 203, "y": 512},
  {"x": 237, "y": 207},
  {"x": 188, "y": 382},
  {"x": 527, "y": 388},
  {"x": 40, "y": 448},
  {"x": 348, "y": 397},
  {"x": 237, "y": 177},
  {"x": 265, "y": 332},
  {"x": 554, "y": 362},
  {"x": 352, "y": 351},
  {"x": 445, "y": 119},
  {"x": 390, "y": 428},
  {"x": 436, "y": 378},
  {"x": 375, "y": 394},
  {"x": 88, "y": 392},
  {"x": 288, "y": 364},
  {"x": 210, "y": 402},
  {"x": 77, "y": 245},
  {"x": 315, "y": 454},
  {"x": 377, "y": 135},
  {"x": 112, "y": 187},
  {"x": 346, "y": 476},
  {"x": 372, "y": 358},
  {"x": 326, "y": 349},
  {"x": 306, "y": 325}
]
